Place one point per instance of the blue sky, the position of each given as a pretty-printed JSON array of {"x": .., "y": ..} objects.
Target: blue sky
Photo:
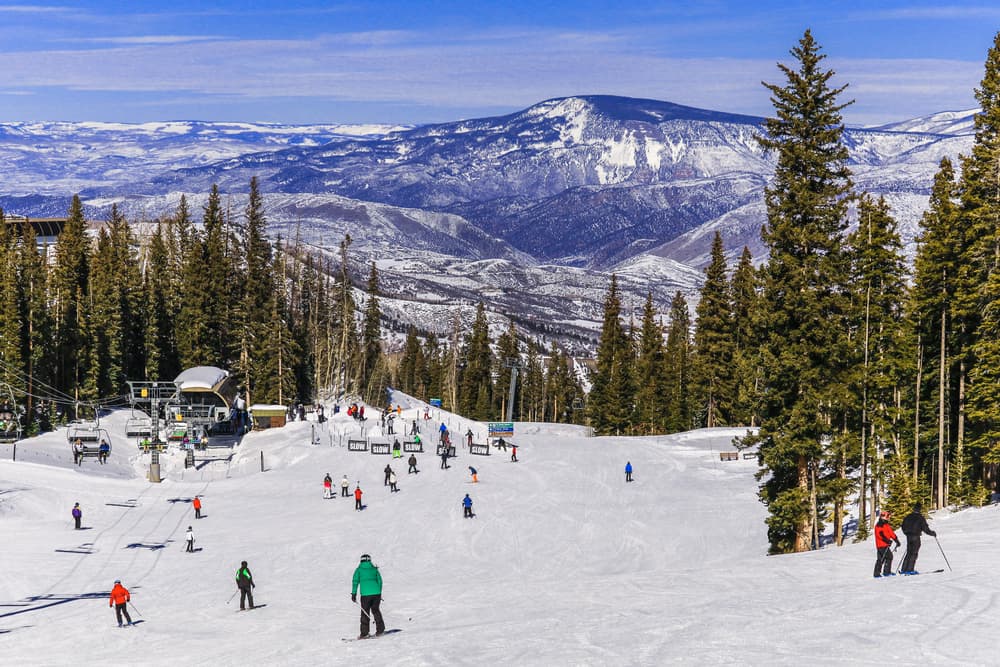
[{"x": 302, "y": 61}]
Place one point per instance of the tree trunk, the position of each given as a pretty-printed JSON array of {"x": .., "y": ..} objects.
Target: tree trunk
[
  {"x": 916, "y": 410},
  {"x": 804, "y": 531}
]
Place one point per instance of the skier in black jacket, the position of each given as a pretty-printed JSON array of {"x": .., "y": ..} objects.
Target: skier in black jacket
[
  {"x": 912, "y": 526},
  {"x": 244, "y": 581}
]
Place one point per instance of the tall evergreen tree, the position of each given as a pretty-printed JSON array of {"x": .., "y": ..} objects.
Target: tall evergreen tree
[
  {"x": 476, "y": 386},
  {"x": 677, "y": 367},
  {"x": 746, "y": 351},
  {"x": 714, "y": 345},
  {"x": 69, "y": 285},
  {"x": 610, "y": 404},
  {"x": 804, "y": 288},
  {"x": 371, "y": 337},
  {"x": 651, "y": 388}
]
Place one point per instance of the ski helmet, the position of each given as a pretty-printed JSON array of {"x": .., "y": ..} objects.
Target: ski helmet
[
  {"x": 365, "y": 558},
  {"x": 118, "y": 581}
]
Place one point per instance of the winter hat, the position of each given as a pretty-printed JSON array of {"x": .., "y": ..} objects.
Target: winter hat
[
  {"x": 243, "y": 564},
  {"x": 365, "y": 558},
  {"x": 118, "y": 581},
  {"x": 884, "y": 514},
  {"x": 917, "y": 507}
]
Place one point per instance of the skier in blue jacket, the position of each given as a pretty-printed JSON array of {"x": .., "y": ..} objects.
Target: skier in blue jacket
[
  {"x": 628, "y": 471},
  {"x": 467, "y": 504}
]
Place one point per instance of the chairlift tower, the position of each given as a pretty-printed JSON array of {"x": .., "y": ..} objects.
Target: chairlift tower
[{"x": 153, "y": 394}]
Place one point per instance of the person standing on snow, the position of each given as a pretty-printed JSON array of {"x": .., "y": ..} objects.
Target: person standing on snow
[
  {"x": 468, "y": 438},
  {"x": 513, "y": 453},
  {"x": 369, "y": 580},
  {"x": 119, "y": 598},
  {"x": 413, "y": 464},
  {"x": 912, "y": 526},
  {"x": 344, "y": 485},
  {"x": 327, "y": 486},
  {"x": 467, "y": 507},
  {"x": 244, "y": 581},
  {"x": 392, "y": 482},
  {"x": 190, "y": 540},
  {"x": 197, "y": 506},
  {"x": 357, "y": 497},
  {"x": 884, "y": 537},
  {"x": 628, "y": 471},
  {"x": 444, "y": 458},
  {"x": 387, "y": 471},
  {"x": 77, "y": 515}
]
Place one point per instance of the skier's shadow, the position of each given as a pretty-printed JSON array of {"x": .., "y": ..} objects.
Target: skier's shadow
[{"x": 152, "y": 547}]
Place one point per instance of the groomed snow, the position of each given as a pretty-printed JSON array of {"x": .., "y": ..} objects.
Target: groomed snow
[{"x": 564, "y": 564}]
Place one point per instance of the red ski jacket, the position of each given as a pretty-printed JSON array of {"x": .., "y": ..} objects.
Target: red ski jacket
[
  {"x": 119, "y": 595},
  {"x": 884, "y": 534}
]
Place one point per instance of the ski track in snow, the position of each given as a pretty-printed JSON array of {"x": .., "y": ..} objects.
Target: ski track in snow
[{"x": 563, "y": 564}]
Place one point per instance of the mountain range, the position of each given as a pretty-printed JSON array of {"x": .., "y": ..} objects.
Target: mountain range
[{"x": 529, "y": 212}]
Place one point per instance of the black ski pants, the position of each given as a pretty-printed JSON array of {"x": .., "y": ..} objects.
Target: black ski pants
[
  {"x": 78, "y": 519},
  {"x": 412, "y": 469},
  {"x": 369, "y": 606},
  {"x": 246, "y": 595},
  {"x": 468, "y": 513},
  {"x": 119, "y": 610},
  {"x": 628, "y": 477},
  {"x": 344, "y": 493},
  {"x": 912, "y": 550},
  {"x": 883, "y": 561}
]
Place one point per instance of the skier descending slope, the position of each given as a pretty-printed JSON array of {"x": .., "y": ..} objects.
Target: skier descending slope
[
  {"x": 244, "y": 581},
  {"x": 884, "y": 537},
  {"x": 369, "y": 580},
  {"x": 119, "y": 598}
]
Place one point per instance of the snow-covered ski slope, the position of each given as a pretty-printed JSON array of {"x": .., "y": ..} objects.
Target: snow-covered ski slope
[{"x": 563, "y": 564}]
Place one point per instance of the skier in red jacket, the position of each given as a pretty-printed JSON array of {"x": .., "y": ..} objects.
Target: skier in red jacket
[
  {"x": 119, "y": 598},
  {"x": 884, "y": 537}
]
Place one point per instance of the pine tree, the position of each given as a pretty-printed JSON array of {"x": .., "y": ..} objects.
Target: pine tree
[
  {"x": 532, "y": 385},
  {"x": 36, "y": 315},
  {"x": 977, "y": 296},
  {"x": 476, "y": 385},
  {"x": 940, "y": 250},
  {"x": 371, "y": 337},
  {"x": 69, "y": 285},
  {"x": 651, "y": 388},
  {"x": 677, "y": 367},
  {"x": 714, "y": 346},
  {"x": 160, "y": 342},
  {"x": 804, "y": 347},
  {"x": 610, "y": 403},
  {"x": 746, "y": 350},
  {"x": 259, "y": 292},
  {"x": 11, "y": 335},
  {"x": 508, "y": 357}
]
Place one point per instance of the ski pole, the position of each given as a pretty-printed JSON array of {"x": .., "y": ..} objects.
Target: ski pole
[
  {"x": 232, "y": 596},
  {"x": 134, "y": 609},
  {"x": 942, "y": 554},
  {"x": 903, "y": 560}
]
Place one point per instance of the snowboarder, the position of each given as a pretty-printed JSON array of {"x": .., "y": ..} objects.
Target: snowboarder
[
  {"x": 197, "y": 506},
  {"x": 513, "y": 453},
  {"x": 190, "y": 540},
  {"x": 369, "y": 580},
  {"x": 119, "y": 598},
  {"x": 467, "y": 505},
  {"x": 413, "y": 464},
  {"x": 628, "y": 471},
  {"x": 327, "y": 486},
  {"x": 912, "y": 526},
  {"x": 475, "y": 475},
  {"x": 387, "y": 471},
  {"x": 397, "y": 450},
  {"x": 444, "y": 458},
  {"x": 77, "y": 515},
  {"x": 392, "y": 482},
  {"x": 102, "y": 452},
  {"x": 244, "y": 581},
  {"x": 344, "y": 485},
  {"x": 884, "y": 537},
  {"x": 357, "y": 497}
]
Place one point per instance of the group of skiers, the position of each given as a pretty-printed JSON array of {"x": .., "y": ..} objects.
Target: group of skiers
[{"x": 914, "y": 524}]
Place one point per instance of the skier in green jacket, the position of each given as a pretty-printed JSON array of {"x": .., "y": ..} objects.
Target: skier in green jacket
[{"x": 368, "y": 578}]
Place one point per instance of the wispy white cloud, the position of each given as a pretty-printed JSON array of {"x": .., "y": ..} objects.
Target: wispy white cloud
[
  {"x": 146, "y": 39},
  {"x": 32, "y": 9},
  {"x": 941, "y": 12}
]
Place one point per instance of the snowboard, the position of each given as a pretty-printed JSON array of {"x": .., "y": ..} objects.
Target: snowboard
[{"x": 387, "y": 632}]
